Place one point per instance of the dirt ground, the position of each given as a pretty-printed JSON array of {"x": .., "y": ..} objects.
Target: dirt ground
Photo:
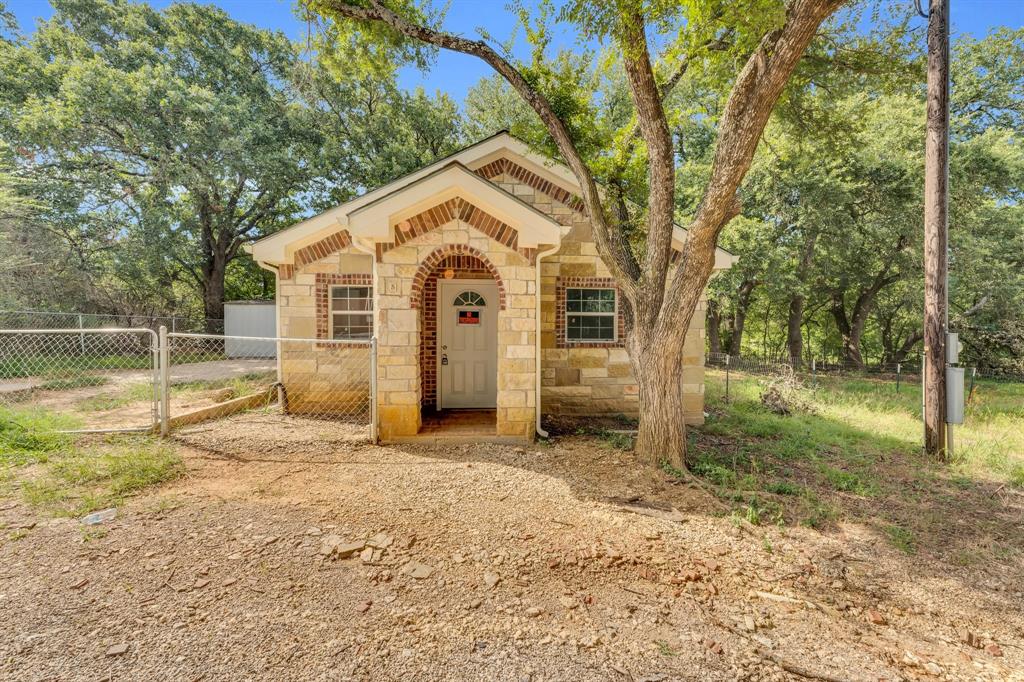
[
  {"x": 562, "y": 561},
  {"x": 136, "y": 414}
]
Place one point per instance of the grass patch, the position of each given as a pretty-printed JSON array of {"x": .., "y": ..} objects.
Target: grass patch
[
  {"x": 31, "y": 434},
  {"x": 71, "y": 476},
  {"x": 855, "y": 454},
  {"x": 901, "y": 538},
  {"x": 241, "y": 385}
]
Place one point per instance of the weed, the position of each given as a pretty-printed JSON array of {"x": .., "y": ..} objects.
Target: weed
[
  {"x": 1017, "y": 476},
  {"x": 766, "y": 545},
  {"x": 901, "y": 538},
  {"x": 705, "y": 467},
  {"x": 31, "y": 435},
  {"x": 617, "y": 440},
  {"x": 783, "y": 488},
  {"x": 19, "y": 534},
  {"x": 664, "y": 649},
  {"x": 847, "y": 481}
]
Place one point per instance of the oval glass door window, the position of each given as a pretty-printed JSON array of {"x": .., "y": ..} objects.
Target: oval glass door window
[{"x": 469, "y": 298}]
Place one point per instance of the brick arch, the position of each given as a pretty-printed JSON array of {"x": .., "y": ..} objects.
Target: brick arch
[{"x": 463, "y": 255}]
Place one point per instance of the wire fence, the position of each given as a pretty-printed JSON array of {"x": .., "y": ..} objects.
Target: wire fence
[
  {"x": 38, "y": 319},
  {"x": 79, "y": 380},
  {"x": 892, "y": 371},
  {"x": 209, "y": 376}
]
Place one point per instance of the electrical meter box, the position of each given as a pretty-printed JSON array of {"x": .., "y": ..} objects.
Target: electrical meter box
[
  {"x": 953, "y": 348},
  {"x": 954, "y": 395}
]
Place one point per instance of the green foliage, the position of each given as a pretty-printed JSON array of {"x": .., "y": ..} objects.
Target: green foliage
[
  {"x": 96, "y": 476},
  {"x": 833, "y": 208},
  {"x": 157, "y": 142},
  {"x": 901, "y": 538},
  {"x": 31, "y": 435}
]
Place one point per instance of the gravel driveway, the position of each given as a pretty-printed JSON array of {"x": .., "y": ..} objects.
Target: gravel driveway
[{"x": 293, "y": 550}]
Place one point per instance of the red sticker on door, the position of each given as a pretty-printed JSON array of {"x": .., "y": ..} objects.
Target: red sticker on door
[{"x": 469, "y": 317}]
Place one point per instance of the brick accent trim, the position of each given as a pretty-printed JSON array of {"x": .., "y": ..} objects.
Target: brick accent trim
[
  {"x": 433, "y": 260},
  {"x": 528, "y": 177},
  {"x": 285, "y": 271},
  {"x": 322, "y": 292},
  {"x": 563, "y": 283},
  {"x": 456, "y": 209},
  {"x": 465, "y": 267},
  {"x": 325, "y": 247}
]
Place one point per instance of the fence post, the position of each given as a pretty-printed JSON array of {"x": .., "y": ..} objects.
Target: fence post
[
  {"x": 165, "y": 383},
  {"x": 970, "y": 394},
  {"x": 727, "y": 358},
  {"x": 373, "y": 389},
  {"x": 814, "y": 371},
  {"x": 898, "y": 371},
  {"x": 81, "y": 334}
]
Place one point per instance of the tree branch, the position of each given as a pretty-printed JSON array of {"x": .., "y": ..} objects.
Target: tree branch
[{"x": 615, "y": 252}]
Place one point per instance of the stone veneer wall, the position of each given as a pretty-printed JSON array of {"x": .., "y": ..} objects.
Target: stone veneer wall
[
  {"x": 399, "y": 385},
  {"x": 321, "y": 378},
  {"x": 592, "y": 378}
]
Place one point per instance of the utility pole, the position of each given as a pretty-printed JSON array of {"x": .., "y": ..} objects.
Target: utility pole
[{"x": 936, "y": 231}]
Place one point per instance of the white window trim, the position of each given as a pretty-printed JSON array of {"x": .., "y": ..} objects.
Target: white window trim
[
  {"x": 614, "y": 314},
  {"x": 331, "y": 311}
]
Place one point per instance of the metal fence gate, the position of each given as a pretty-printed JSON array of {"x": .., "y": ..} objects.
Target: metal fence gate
[
  {"x": 101, "y": 380},
  {"x": 81, "y": 380}
]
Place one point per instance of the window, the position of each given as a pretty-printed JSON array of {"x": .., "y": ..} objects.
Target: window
[
  {"x": 590, "y": 315},
  {"x": 470, "y": 298},
  {"x": 351, "y": 312}
]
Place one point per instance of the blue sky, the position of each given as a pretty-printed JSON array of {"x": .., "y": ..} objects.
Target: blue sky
[{"x": 456, "y": 73}]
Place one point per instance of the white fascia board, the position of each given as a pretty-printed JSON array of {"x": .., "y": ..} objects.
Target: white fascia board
[
  {"x": 376, "y": 219},
  {"x": 275, "y": 248}
]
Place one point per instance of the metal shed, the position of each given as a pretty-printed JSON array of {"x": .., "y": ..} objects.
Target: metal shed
[{"x": 250, "y": 318}]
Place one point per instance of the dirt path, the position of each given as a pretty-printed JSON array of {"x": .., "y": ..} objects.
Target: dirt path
[
  {"x": 137, "y": 413},
  {"x": 494, "y": 563}
]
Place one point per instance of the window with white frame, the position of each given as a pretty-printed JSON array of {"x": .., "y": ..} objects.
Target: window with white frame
[
  {"x": 351, "y": 312},
  {"x": 590, "y": 315}
]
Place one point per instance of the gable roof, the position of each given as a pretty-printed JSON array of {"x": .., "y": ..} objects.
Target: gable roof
[{"x": 461, "y": 174}]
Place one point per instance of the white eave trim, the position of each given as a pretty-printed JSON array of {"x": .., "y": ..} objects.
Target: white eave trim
[{"x": 376, "y": 219}]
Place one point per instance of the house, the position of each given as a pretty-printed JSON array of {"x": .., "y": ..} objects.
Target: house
[{"x": 479, "y": 277}]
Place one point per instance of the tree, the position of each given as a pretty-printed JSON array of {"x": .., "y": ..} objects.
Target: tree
[
  {"x": 768, "y": 37},
  {"x": 179, "y": 135}
]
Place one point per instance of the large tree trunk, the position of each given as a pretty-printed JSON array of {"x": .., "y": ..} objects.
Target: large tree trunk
[
  {"x": 794, "y": 330},
  {"x": 714, "y": 325},
  {"x": 661, "y": 438},
  {"x": 213, "y": 295},
  {"x": 739, "y": 316}
]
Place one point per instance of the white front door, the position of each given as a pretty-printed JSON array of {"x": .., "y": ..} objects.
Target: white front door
[{"x": 467, "y": 343}]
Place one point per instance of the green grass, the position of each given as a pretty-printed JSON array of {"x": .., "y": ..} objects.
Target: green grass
[
  {"x": 71, "y": 476},
  {"x": 856, "y": 455},
  {"x": 30, "y": 434}
]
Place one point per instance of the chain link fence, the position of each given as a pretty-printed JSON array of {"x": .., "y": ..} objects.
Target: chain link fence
[
  {"x": 138, "y": 380},
  {"x": 81, "y": 380},
  {"x": 210, "y": 376},
  {"x": 37, "y": 319}
]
